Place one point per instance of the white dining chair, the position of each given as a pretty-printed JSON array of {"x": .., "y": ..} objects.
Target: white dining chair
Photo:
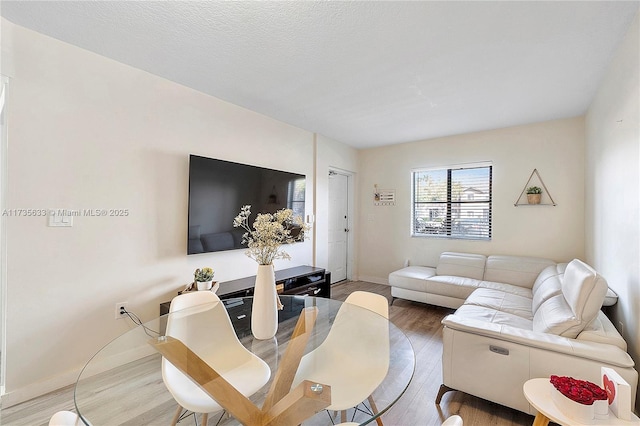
[
  {"x": 65, "y": 418},
  {"x": 200, "y": 320},
  {"x": 354, "y": 357},
  {"x": 454, "y": 420}
]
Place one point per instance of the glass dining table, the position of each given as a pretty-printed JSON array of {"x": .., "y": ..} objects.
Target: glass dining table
[{"x": 122, "y": 384}]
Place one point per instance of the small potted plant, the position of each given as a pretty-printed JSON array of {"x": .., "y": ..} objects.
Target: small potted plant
[
  {"x": 534, "y": 193},
  {"x": 203, "y": 278}
]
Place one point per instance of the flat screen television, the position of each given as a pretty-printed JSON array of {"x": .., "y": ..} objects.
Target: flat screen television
[{"x": 217, "y": 191}]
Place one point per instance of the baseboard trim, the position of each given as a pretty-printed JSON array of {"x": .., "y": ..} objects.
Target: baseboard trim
[
  {"x": 68, "y": 378},
  {"x": 375, "y": 280},
  {"x": 40, "y": 388}
]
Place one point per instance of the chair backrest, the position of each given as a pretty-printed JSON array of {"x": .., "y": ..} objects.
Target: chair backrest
[
  {"x": 372, "y": 301},
  {"x": 191, "y": 299},
  {"x": 65, "y": 418},
  {"x": 354, "y": 357},
  {"x": 356, "y": 327},
  {"x": 200, "y": 320},
  {"x": 361, "y": 327},
  {"x": 367, "y": 333},
  {"x": 454, "y": 420}
]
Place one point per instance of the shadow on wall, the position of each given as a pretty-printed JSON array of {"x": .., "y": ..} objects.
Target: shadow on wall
[
  {"x": 166, "y": 200},
  {"x": 632, "y": 328}
]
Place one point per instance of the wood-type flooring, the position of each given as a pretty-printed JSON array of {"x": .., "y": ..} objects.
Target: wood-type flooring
[{"x": 420, "y": 323}]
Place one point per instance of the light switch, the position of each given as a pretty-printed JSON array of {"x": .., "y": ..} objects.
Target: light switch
[{"x": 58, "y": 218}]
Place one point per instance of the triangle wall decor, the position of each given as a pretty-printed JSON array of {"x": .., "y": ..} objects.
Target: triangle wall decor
[{"x": 526, "y": 185}]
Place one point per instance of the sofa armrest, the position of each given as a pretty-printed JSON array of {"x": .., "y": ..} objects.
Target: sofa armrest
[
  {"x": 601, "y": 352},
  {"x": 411, "y": 273}
]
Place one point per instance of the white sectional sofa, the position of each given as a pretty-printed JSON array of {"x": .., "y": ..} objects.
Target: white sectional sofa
[{"x": 517, "y": 318}]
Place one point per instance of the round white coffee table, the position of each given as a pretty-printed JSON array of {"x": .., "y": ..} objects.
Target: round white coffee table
[{"x": 537, "y": 393}]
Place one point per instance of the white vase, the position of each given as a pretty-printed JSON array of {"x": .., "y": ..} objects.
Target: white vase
[
  {"x": 264, "y": 310},
  {"x": 204, "y": 285}
]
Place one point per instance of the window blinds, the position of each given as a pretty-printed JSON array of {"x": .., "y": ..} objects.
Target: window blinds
[{"x": 452, "y": 202}]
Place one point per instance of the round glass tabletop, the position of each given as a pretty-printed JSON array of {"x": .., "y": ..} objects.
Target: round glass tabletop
[{"x": 123, "y": 382}]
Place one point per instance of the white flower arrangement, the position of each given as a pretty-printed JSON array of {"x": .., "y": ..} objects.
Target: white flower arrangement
[{"x": 270, "y": 231}]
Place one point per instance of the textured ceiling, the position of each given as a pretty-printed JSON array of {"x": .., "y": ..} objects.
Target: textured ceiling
[{"x": 364, "y": 73}]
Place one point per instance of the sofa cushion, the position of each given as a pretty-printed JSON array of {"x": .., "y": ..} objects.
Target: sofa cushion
[
  {"x": 237, "y": 235},
  {"x": 411, "y": 277},
  {"x": 584, "y": 290},
  {"x": 217, "y": 241},
  {"x": 556, "y": 317},
  {"x": 481, "y": 313},
  {"x": 462, "y": 265},
  {"x": 501, "y": 301},
  {"x": 195, "y": 245},
  {"x": 457, "y": 287},
  {"x": 508, "y": 288},
  {"x": 517, "y": 270},
  {"x": 547, "y": 285}
]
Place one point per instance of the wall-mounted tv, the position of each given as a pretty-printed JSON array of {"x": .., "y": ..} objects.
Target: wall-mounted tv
[{"x": 217, "y": 191}]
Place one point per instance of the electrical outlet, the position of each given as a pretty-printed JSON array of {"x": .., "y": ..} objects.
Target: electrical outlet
[
  {"x": 119, "y": 307},
  {"x": 621, "y": 327}
]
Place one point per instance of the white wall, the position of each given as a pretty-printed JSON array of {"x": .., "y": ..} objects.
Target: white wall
[
  {"x": 88, "y": 132},
  {"x": 555, "y": 148},
  {"x": 612, "y": 208}
]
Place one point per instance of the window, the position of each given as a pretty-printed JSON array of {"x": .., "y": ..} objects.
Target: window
[
  {"x": 452, "y": 203},
  {"x": 295, "y": 198}
]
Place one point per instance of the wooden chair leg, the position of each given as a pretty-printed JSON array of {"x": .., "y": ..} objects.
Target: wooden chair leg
[
  {"x": 375, "y": 410},
  {"x": 176, "y": 416},
  {"x": 205, "y": 418},
  {"x": 443, "y": 389},
  {"x": 343, "y": 416}
]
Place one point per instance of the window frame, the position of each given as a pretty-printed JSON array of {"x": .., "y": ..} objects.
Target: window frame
[
  {"x": 450, "y": 203},
  {"x": 294, "y": 203}
]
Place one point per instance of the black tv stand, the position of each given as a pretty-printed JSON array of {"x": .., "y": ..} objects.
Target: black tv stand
[{"x": 300, "y": 280}]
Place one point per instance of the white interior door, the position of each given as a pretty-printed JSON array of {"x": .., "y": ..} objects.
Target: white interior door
[{"x": 338, "y": 226}]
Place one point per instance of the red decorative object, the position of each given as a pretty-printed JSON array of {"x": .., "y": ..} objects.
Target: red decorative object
[
  {"x": 610, "y": 388},
  {"x": 618, "y": 392},
  {"x": 580, "y": 391}
]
